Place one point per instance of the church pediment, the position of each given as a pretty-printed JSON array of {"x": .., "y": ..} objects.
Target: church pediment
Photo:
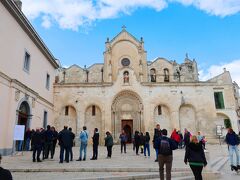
[{"x": 125, "y": 36}]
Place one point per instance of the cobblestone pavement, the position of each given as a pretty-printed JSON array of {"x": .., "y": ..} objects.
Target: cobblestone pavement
[{"x": 116, "y": 166}]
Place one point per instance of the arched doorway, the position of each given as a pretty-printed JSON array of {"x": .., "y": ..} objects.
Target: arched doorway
[
  {"x": 127, "y": 112},
  {"x": 23, "y": 118},
  {"x": 128, "y": 129}
]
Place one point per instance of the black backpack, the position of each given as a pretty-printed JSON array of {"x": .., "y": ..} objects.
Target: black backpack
[{"x": 165, "y": 148}]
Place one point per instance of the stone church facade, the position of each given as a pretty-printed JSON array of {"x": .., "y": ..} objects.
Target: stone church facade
[{"x": 129, "y": 92}]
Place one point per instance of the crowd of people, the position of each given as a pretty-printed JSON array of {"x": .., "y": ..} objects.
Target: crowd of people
[{"x": 44, "y": 141}]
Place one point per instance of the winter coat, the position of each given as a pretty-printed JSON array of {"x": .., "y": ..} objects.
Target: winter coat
[
  {"x": 109, "y": 140},
  {"x": 65, "y": 138},
  {"x": 232, "y": 139},
  {"x": 95, "y": 138},
  {"x": 195, "y": 153},
  {"x": 175, "y": 136}
]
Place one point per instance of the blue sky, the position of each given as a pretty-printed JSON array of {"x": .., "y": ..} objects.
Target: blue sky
[{"x": 208, "y": 32}]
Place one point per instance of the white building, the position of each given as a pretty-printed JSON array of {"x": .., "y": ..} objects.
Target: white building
[{"x": 27, "y": 73}]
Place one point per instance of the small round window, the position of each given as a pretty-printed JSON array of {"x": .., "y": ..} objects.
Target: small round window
[{"x": 125, "y": 62}]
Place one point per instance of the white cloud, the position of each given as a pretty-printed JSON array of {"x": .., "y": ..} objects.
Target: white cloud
[
  {"x": 72, "y": 14},
  {"x": 214, "y": 70},
  {"x": 214, "y": 7}
]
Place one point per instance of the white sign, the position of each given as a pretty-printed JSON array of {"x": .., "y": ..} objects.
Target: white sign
[
  {"x": 219, "y": 130},
  {"x": 19, "y": 132}
]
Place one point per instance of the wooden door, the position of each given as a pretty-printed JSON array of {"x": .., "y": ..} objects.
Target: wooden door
[{"x": 127, "y": 126}]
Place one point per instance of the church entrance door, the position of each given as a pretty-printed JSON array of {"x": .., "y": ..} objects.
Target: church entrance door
[{"x": 127, "y": 126}]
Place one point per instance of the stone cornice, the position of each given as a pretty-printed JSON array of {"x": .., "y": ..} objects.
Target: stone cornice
[
  {"x": 17, "y": 84},
  {"x": 30, "y": 31},
  {"x": 82, "y": 84}
]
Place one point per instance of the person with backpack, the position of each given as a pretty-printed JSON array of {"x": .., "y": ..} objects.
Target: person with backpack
[
  {"x": 194, "y": 155},
  {"x": 233, "y": 142},
  {"x": 165, "y": 147}
]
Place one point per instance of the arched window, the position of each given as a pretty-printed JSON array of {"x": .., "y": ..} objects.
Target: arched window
[
  {"x": 153, "y": 75},
  {"x": 166, "y": 75},
  {"x": 159, "y": 110},
  {"x": 126, "y": 77},
  {"x": 93, "y": 110},
  {"x": 66, "y": 110}
]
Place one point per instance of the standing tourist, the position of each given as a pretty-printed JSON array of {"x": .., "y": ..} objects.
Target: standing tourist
[
  {"x": 4, "y": 173},
  {"x": 195, "y": 156},
  {"x": 37, "y": 145},
  {"x": 64, "y": 138},
  {"x": 28, "y": 136},
  {"x": 233, "y": 142},
  {"x": 175, "y": 136},
  {"x": 137, "y": 141},
  {"x": 123, "y": 140},
  {"x": 95, "y": 140},
  {"x": 83, "y": 137},
  {"x": 186, "y": 138},
  {"x": 109, "y": 144},
  {"x": 71, "y": 144},
  {"x": 165, "y": 147},
  {"x": 142, "y": 142},
  {"x": 156, "y": 136},
  {"x": 146, "y": 144},
  {"x": 48, "y": 141},
  {"x": 55, "y": 137}
]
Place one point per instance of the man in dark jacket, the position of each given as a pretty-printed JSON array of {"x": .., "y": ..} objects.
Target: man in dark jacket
[
  {"x": 233, "y": 142},
  {"x": 95, "y": 139},
  {"x": 48, "y": 141},
  {"x": 55, "y": 137},
  {"x": 71, "y": 145},
  {"x": 4, "y": 173},
  {"x": 37, "y": 140},
  {"x": 156, "y": 136},
  {"x": 165, "y": 147},
  {"x": 186, "y": 137},
  {"x": 65, "y": 139}
]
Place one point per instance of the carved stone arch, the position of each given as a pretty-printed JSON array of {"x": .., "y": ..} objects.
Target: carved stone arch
[
  {"x": 67, "y": 117},
  {"x": 187, "y": 118},
  {"x": 127, "y": 109},
  {"x": 162, "y": 116},
  {"x": 122, "y": 40}
]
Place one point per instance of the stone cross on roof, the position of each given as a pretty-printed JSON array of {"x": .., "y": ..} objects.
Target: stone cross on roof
[{"x": 124, "y": 27}]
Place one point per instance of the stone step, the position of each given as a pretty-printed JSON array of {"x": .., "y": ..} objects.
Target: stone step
[
  {"x": 215, "y": 161},
  {"x": 137, "y": 169},
  {"x": 219, "y": 165}
]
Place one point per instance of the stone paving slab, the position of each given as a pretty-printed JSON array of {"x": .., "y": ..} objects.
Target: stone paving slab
[{"x": 119, "y": 165}]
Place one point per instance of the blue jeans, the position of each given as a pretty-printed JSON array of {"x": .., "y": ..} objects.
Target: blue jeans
[
  {"x": 28, "y": 144},
  {"x": 83, "y": 147},
  {"x": 231, "y": 150},
  {"x": 20, "y": 145},
  {"x": 156, "y": 150},
  {"x": 146, "y": 147}
]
